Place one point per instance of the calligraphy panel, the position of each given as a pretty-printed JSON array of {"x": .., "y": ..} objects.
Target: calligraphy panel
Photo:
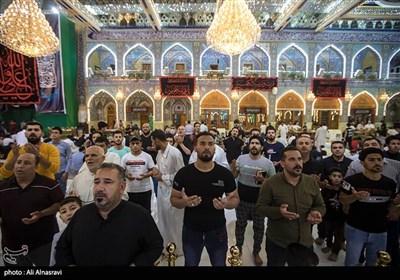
[
  {"x": 18, "y": 78},
  {"x": 177, "y": 86},
  {"x": 330, "y": 88},
  {"x": 248, "y": 83}
]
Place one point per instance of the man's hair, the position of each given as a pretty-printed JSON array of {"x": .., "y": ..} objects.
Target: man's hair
[
  {"x": 111, "y": 165},
  {"x": 102, "y": 139},
  {"x": 337, "y": 142},
  {"x": 288, "y": 148},
  {"x": 57, "y": 128},
  {"x": 391, "y": 138},
  {"x": 300, "y": 255},
  {"x": 158, "y": 134},
  {"x": 255, "y": 137},
  {"x": 70, "y": 199},
  {"x": 335, "y": 169},
  {"x": 101, "y": 125},
  {"x": 371, "y": 138},
  {"x": 117, "y": 132},
  {"x": 270, "y": 128},
  {"x": 204, "y": 133},
  {"x": 35, "y": 123},
  {"x": 365, "y": 152}
]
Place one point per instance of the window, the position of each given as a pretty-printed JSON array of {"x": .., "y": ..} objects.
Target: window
[
  {"x": 146, "y": 67},
  {"x": 214, "y": 66},
  {"x": 180, "y": 67},
  {"x": 249, "y": 66}
]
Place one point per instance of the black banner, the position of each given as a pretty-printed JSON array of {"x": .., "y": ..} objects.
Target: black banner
[
  {"x": 261, "y": 83},
  {"x": 335, "y": 88},
  {"x": 177, "y": 86},
  {"x": 18, "y": 78}
]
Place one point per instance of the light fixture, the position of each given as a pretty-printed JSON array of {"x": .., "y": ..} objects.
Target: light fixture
[
  {"x": 157, "y": 95},
  {"x": 24, "y": 29},
  {"x": 235, "y": 95},
  {"x": 234, "y": 28},
  {"x": 310, "y": 96},
  {"x": 274, "y": 90},
  {"x": 384, "y": 97},
  {"x": 120, "y": 94},
  {"x": 196, "y": 95},
  {"x": 348, "y": 96}
]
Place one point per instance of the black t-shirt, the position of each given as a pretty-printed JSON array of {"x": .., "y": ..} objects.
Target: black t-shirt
[
  {"x": 207, "y": 185},
  {"x": 370, "y": 214}
]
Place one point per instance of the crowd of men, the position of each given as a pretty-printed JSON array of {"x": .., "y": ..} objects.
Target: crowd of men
[{"x": 141, "y": 189}]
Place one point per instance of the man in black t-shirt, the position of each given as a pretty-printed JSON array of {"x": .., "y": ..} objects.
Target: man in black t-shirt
[
  {"x": 371, "y": 197},
  {"x": 199, "y": 188}
]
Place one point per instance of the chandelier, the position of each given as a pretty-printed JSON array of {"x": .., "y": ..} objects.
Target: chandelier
[
  {"x": 24, "y": 29},
  {"x": 234, "y": 28}
]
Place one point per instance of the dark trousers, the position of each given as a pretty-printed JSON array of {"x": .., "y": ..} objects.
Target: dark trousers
[
  {"x": 392, "y": 243},
  {"x": 334, "y": 229},
  {"x": 143, "y": 198}
]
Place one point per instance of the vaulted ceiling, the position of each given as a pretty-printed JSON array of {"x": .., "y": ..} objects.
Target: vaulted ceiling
[{"x": 316, "y": 15}]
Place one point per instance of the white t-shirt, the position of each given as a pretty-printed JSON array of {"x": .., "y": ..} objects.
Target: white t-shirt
[{"x": 136, "y": 165}]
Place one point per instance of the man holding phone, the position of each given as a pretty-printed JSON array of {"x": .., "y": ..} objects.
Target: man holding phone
[{"x": 251, "y": 170}]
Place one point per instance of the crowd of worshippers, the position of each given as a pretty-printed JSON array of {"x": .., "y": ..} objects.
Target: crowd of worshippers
[{"x": 118, "y": 197}]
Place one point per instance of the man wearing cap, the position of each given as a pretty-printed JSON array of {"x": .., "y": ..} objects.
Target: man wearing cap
[{"x": 138, "y": 167}]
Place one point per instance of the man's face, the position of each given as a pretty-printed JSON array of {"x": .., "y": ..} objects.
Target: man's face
[
  {"x": 95, "y": 136},
  {"x": 292, "y": 163},
  {"x": 205, "y": 148},
  {"x": 255, "y": 147},
  {"x": 371, "y": 143},
  {"x": 136, "y": 147},
  {"x": 146, "y": 128},
  {"x": 394, "y": 146},
  {"x": 118, "y": 137},
  {"x": 373, "y": 163},
  {"x": 33, "y": 133},
  {"x": 234, "y": 132},
  {"x": 337, "y": 150},
  {"x": 107, "y": 189},
  {"x": 156, "y": 143},
  {"x": 271, "y": 135},
  {"x": 55, "y": 135},
  {"x": 25, "y": 164},
  {"x": 197, "y": 127},
  {"x": 93, "y": 158},
  {"x": 303, "y": 144},
  {"x": 103, "y": 146},
  {"x": 181, "y": 130}
]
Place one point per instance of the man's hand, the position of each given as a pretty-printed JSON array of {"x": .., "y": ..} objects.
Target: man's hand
[
  {"x": 287, "y": 214},
  {"x": 35, "y": 217},
  {"x": 314, "y": 217}
]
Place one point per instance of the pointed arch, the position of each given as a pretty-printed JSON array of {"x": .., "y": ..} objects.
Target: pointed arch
[
  {"x": 387, "y": 102},
  {"x": 250, "y": 93},
  {"x": 300, "y": 50},
  {"x": 336, "y": 49},
  {"x": 162, "y": 107},
  {"x": 134, "y": 47},
  {"x": 94, "y": 95},
  {"x": 338, "y": 100},
  {"x": 284, "y": 96},
  {"x": 169, "y": 48},
  {"x": 201, "y": 60},
  {"x": 373, "y": 50},
  {"x": 141, "y": 91},
  {"x": 358, "y": 96},
  {"x": 264, "y": 51},
  {"x": 219, "y": 92},
  {"x": 92, "y": 50},
  {"x": 388, "y": 65}
]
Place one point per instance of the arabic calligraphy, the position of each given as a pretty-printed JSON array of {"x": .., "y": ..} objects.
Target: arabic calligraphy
[
  {"x": 18, "y": 78},
  {"x": 261, "y": 83},
  {"x": 177, "y": 87},
  {"x": 335, "y": 88}
]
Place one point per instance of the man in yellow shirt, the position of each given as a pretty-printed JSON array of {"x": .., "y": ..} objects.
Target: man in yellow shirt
[{"x": 49, "y": 157}]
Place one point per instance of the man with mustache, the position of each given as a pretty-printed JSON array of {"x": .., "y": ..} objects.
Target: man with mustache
[
  {"x": 249, "y": 168},
  {"x": 372, "y": 198},
  {"x": 28, "y": 204},
  {"x": 49, "y": 157},
  {"x": 110, "y": 231},
  {"x": 199, "y": 188},
  {"x": 292, "y": 201}
]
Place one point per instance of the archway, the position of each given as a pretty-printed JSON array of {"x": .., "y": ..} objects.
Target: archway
[
  {"x": 215, "y": 110},
  {"x": 102, "y": 107},
  {"x": 327, "y": 111},
  {"x": 253, "y": 110},
  {"x": 290, "y": 109},
  {"x": 177, "y": 111},
  {"x": 138, "y": 108},
  {"x": 363, "y": 108}
]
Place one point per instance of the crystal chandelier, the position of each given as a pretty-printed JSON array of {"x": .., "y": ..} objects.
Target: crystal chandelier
[
  {"x": 234, "y": 28},
  {"x": 24, "y": 29}
]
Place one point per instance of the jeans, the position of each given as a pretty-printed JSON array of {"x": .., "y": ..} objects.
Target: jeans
[
  {"x": 215, "y": 241},
  {"x": 355, "y": 240},
  {"x": 63, "y": 185}
]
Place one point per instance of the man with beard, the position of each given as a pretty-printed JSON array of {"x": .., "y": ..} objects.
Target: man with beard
[
  {"x": 49, "y": 157},
  {"x": 273, "y": 148},
  {"x": 119, "y": 148},
  {"x": 250, "y": 169},
  {"x": 292, "y": 201},
  {"x": 199, "y": 188},
  {"x": 110, "y": 231},
  {"x": 371, "y": 196}
]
